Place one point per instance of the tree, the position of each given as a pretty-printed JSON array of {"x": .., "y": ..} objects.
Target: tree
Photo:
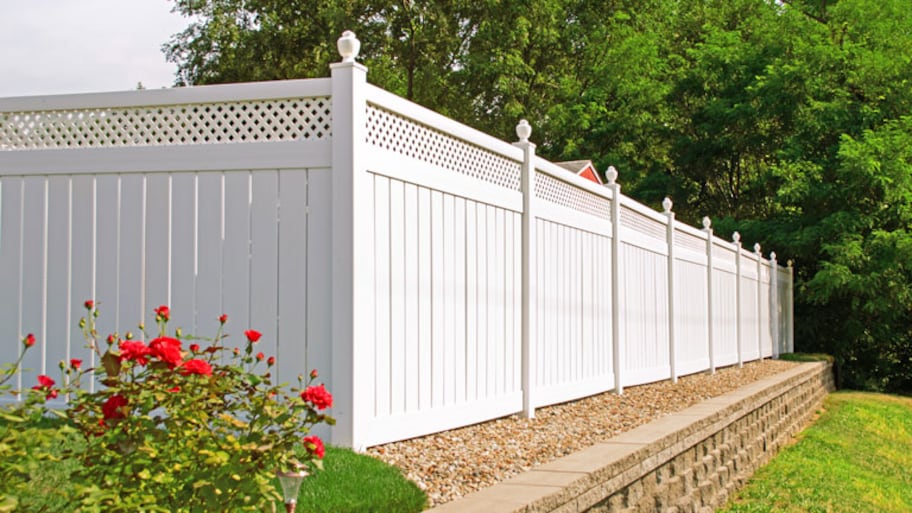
[{"x": 785, "y": 120}]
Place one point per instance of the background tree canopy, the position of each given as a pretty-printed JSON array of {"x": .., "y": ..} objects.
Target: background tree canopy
[{"x": 790, "y": 121}]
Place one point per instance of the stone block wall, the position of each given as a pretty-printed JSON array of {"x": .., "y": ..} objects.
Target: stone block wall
[
  {"x": 699, "y": 477},
  {"x": 686, "y": 462}
]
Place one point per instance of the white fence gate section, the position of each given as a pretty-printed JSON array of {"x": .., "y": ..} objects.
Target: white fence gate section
[{"x": 436, "y": 276}]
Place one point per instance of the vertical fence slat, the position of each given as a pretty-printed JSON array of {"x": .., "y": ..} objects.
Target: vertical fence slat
[
  {"x": 183, "y": 247},
  {"x": 292, "y": 343},
  {"x": 236, "y": 254},
  {"x": 157, "y": 247},
  {"x": 398, "y": 370},
  {"x": 207, "y": 258},
  {"x": 10, "y": 258},
  {"x": 82, "y": 271},
  {"x": 264, "y": 259},
  {"x": 33, "y": 272},
  {"x": 460, "y": 302},
  {"x": 131, "y": 255},
  {"x": 58, "y": 273},
  {"x": 383, "y": 292}
]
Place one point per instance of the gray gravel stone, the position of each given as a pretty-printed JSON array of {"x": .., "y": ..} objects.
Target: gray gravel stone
[{"x": 453, "y": 463}]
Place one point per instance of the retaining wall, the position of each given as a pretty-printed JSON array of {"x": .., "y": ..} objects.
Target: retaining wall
[{"x": 689, "y": 461}]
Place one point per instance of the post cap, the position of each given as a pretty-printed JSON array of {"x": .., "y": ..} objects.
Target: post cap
[
  {"x": 707, "y": 222},
  {"x": 611, "y": 175},
  {"x": 736, "y": 237},
  {"x": 773, "y": 256},
  {"x": 348, "y": 46},
  {"x": 523, "y": 130},
  {"x": 757, "y": 248},
  {"x": 667, "y": 204}
]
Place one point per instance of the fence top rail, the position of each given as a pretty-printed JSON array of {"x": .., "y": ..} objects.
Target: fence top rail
[
  {"x": 414, "y": 112},
  {"x": 304, "y": 88}
]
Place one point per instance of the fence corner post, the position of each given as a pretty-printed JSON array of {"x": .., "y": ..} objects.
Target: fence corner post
[
  {"x": 790, "y": 305},
  {"x": 670, "y": 241},
  {"x": 351, "y": 303},
  {"x": 774, "y": 304},
  {"x": 529, "y": 286},
  {"x": 617, "y": 348},
  {"x": 759, "y": 256},
  {"x": 707, "y": 227},
  {"x": 736, "y": 239}
]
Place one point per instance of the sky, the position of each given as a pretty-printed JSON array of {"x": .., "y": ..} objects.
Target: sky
[{"x": 81, "y": 46}]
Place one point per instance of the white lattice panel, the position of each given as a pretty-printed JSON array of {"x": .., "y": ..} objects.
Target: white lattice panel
[
  {"x": 556, "y": 191},
  {"x": 398, "y": 134},
  {"x": 167, "y": 125},
  {"x": 689, "y": 241},
  {"x": 724, "y": 253},
  {"x": 633, "y": 219}
]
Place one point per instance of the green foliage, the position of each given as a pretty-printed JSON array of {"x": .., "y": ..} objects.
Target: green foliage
[
  {"x": 787, "y": 121},
  {"x": 854, "y": 458},
  {"x": 349, "y": 483},
  {"x": 166, "y": 428}
]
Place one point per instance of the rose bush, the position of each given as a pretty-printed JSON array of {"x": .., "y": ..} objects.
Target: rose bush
[
  {"x": 23, "y": 446},
  {"x": 177, "y": 428}
]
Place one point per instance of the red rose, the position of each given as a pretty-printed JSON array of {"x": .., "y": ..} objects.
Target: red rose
[
  {"x": 89, "y": 304},
  {"x": 270, "y": 361},
  {"x": 223, "y": 318},
  {"x": 195, "y": 348},
  {"x": 163, "y": 313},
  {"x": 44, "y": 386},
  {"x": 253, "y": 336},
  {"x": 29, "y": 340},
  {"x": 113, "y": 408},
  {"x": 174, "y": 389},
  {"x": 134, "y": 350},
  {"x": 75, "y": 363},
  {"x": 168, "y": 350},
  {"x": 260, "y": 356},
  {"x": 318, "y": 396},
  {"x": 314, "y": 374},
  {"x": 199, "y": 367},
  {"x": 110, "y": 339},
  {"x": 314, "y": 445}
]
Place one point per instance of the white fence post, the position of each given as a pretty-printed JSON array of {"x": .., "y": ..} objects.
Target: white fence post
[
  {"x": 774, "y": 303},
  {"x": 759, "y": 256},
  {"x": 736, "y": 239},
  {"x": 529, "y": 248},
  {"x": 707, "y": 227},
  {"x": 790, "y": 305},
  {"x": 616, "y": 346},
  {"x": 352, "y": 307},
  {"x": 670, "y": 241}
]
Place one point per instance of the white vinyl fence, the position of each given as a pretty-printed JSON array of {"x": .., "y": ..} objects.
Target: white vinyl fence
[{"x": 436, "y": 276}]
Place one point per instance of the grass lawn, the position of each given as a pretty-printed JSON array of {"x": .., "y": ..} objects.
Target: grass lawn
[
  {"x": 855, "y": 459},
  {"x": 349, "y": 483}
]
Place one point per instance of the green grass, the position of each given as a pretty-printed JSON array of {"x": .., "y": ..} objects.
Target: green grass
[
  {"x": 854, "y": 459},
  {"x": 806, "y": 357},
  {"x": 354, "y": 483},
  {"x": 349, "y": 483}
]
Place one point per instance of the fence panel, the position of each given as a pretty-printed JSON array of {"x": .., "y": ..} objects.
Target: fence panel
[
  {"x": 765, "y": 320},
  {"x": 644, "y": 297},
  {"x": 725, "y": 305},
  {"x": 221, "y": 199}
]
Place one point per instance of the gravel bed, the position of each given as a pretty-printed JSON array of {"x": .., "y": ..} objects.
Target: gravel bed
[{"x": 454, "y": 463}]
